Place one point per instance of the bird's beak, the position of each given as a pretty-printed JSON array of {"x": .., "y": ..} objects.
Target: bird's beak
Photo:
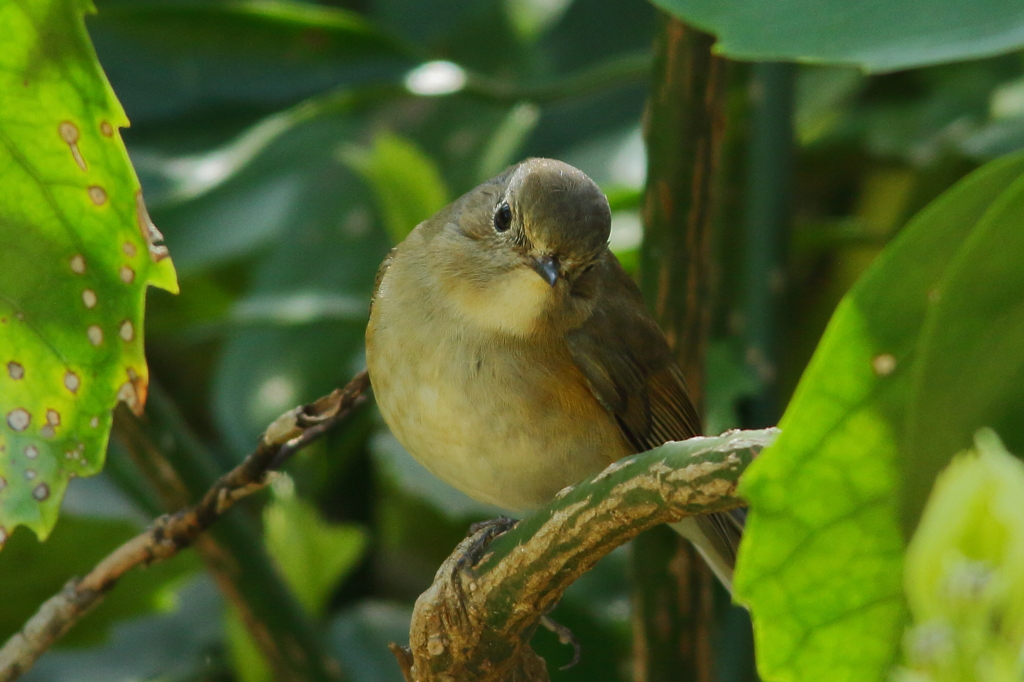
[{"x": 548, "y": 268}]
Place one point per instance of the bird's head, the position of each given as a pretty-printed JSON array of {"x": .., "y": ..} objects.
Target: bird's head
[
  {"x": 519, "y": 251},
  {"x": 555, "y": 218}
]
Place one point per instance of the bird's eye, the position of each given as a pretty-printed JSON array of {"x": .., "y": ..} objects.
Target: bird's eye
[{"x": 502, "y": 217}]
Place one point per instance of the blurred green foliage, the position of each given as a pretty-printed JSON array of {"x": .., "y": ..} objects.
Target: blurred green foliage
[
  {"x": 284, "y": 146},
  {"x": 963, "y": 580}
]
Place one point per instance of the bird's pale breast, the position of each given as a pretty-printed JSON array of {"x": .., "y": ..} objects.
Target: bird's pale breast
[{"x": 508, "y": 420}]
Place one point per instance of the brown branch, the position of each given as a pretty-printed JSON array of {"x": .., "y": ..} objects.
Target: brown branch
[
  {"x": 475, "y": 622},
  {"x": 171, "y": 533}
]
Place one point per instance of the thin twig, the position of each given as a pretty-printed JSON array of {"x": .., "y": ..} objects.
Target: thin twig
[{"x": 171, "y": 533}]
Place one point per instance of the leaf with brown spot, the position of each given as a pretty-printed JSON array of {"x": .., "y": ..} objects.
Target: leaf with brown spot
[
  {"x": 821, "y": 563},
  {"x": 76, "y": 256}
]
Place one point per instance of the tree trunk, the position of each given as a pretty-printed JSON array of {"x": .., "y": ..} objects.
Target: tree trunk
[{"x": 673, "y": 588}]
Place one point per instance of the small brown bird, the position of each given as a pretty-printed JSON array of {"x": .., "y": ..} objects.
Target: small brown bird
[{"x": 512, "y": 356}]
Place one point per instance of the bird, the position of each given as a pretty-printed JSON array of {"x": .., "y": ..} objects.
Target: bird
[{"x": 512, "y": 356}]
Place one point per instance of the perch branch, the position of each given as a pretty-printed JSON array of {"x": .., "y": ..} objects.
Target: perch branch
[
  {"x": 171, "y": 533},
  {"x": 475, "y": 622}
]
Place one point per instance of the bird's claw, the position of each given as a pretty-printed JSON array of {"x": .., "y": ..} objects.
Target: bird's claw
[
  {"x": 496, "y": 526},
  {"x": 565, "y": 636},
  {"x": 480, "y": 535}
]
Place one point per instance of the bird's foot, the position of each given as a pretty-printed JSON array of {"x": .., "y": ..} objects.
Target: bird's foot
[
  {"x": 470, "y": 551},
  {"x": 496, "y": 526}
]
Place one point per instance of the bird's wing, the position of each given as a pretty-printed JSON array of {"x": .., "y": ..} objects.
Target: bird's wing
[
  {"x": 629, "y": 367},
  {"x": 626, "y": 360}
]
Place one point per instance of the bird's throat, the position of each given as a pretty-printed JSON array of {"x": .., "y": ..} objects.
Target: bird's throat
[{"x": 513, "y": 303}]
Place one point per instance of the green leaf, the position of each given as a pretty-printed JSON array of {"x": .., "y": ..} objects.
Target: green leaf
[
  {"x": 971, "y": 368},
  {"x": 998, "y": 137},
  {"x": 821, "y": 561},
  {"x": 183, "y": 178},
  {"x": 269, "y": 30},
  {"x": 231, "y": 201},
  {"x": 405, "y": 181},
  {"x": 313, "y": 555},
  {"x": 591, "y": 32},
  {"x": 503, "y": 148},
  {"x": 247, "y": 660},
  {"x": 877, "y": 35},
  {"x": 964, "y": 580},
  {"x": 77, "y": 251},
  {"x": 170, "y": 58},
  {"x": 457, "y": 132}
]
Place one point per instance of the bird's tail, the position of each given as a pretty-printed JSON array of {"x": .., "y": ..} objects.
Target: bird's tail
[{"x": 716, "y": 537}]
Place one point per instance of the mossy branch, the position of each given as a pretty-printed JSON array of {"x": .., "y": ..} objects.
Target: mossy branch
[{"x": 475, "y": 622}]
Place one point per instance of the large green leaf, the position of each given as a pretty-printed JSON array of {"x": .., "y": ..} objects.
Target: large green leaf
[
  {"x": 820, "y": 567},
  {"x": 77, "y": 251},
  {"x": 590, "y": 32},
  {"x": 878, "y": 35},
  {"x": 971, "y": 369},
  {"x": 228, "y": 202}
]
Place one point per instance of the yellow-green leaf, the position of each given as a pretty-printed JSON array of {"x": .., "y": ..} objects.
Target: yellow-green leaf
[{"x": 77, "y": 251}]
